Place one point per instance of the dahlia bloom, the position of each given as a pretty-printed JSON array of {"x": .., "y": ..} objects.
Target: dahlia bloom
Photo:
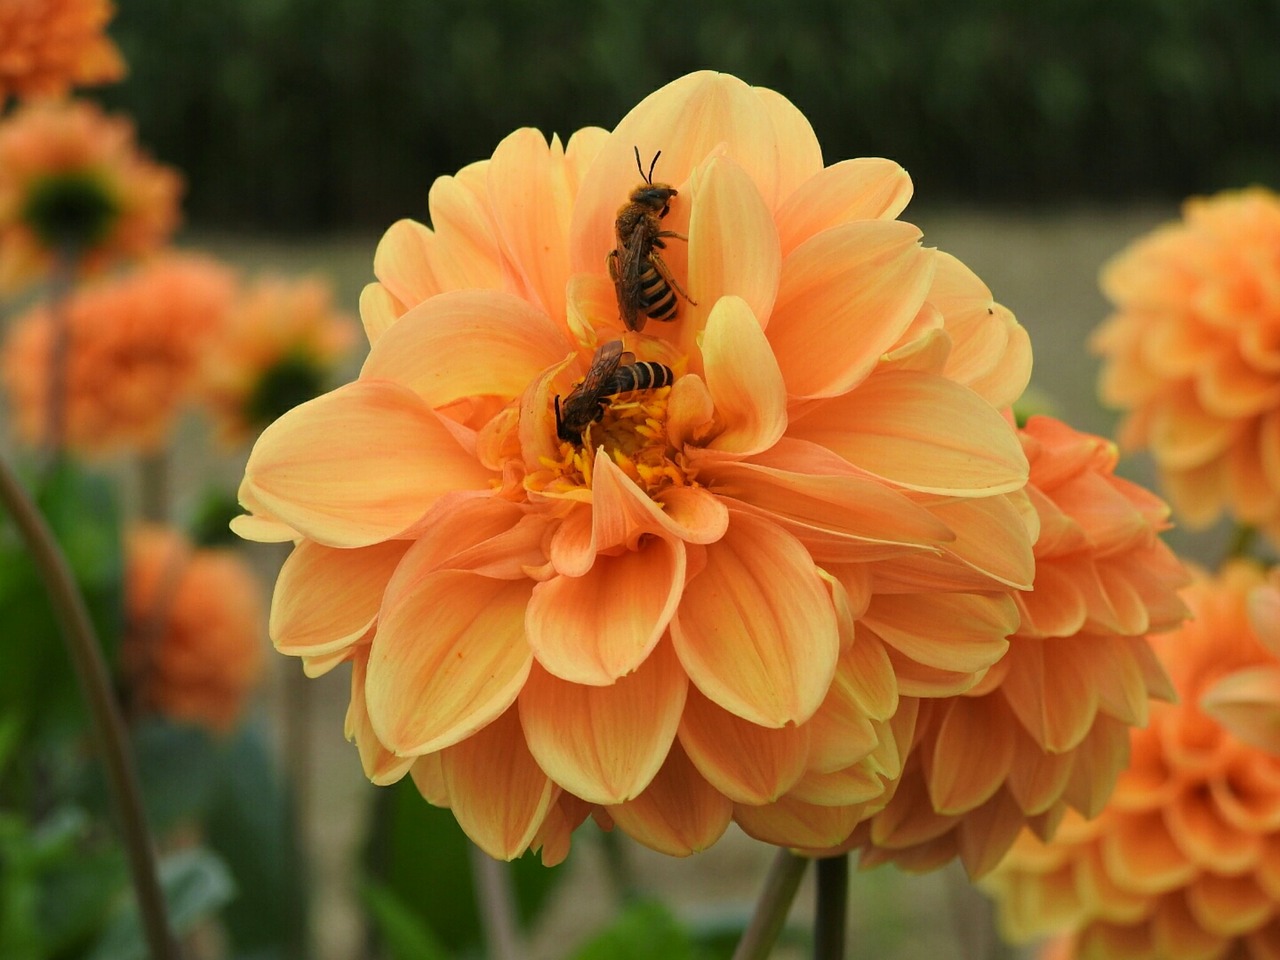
[
  {"x": 48, "y": 46},
  {"x": 712, "y": 609},
  {"x": 278, "y": 347},
  {"x": 1184, "y": 860},
  {"x": 72, "y": 178},
  {"x": 133, "y": 353},
  {"x": 193, "y": 639},
  {"x": 1247, "y": 702},
  {"x": 1048, "y": 727},
  {"x": 1192, "y": 352}
]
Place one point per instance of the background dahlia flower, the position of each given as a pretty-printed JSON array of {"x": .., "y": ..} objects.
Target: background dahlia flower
[
  {"x": 1192, "y": 352},
  {"x": 1184, "y": 860},
  {"x": 73, "y": 183},
  {"x": 728, "y": 603},
  {"x": 133, "y": 353},
  {"x": 278, "y": 348},
  {"x": 1048, "y": 727},
  {"x": 49, "y": 46},
  {"x": 193, "y": 643}
]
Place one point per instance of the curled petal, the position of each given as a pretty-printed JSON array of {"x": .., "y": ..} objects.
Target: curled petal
[
  {"x": 380, "y": 765},
  {"x": 743, "y": 379},
  {"x": 867, "y": 188}
]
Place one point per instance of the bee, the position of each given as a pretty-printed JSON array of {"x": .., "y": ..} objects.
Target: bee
[
  {"x": 612, "y": 371},
  {"x": 641, "y": 278}
]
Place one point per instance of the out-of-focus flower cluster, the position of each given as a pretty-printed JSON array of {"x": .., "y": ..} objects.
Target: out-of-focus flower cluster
[
  {"x": 736, "y": 598},
  {"x": 1192, "y": 352},
  {"x": 49, "y": 46},
  {"x": 1184, "y": 860}
]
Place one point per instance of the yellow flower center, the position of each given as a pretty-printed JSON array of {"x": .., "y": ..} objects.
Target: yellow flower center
[{"x": 633, "y": 433}]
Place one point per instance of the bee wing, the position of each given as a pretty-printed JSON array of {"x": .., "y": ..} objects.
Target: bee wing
[
  {"x": 633, "y": 260},
  {"x": 603, "y": 364}
]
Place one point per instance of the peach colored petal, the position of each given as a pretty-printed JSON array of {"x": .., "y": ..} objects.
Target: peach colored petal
[
  {"x": 428, "y": 776},
  {"x": 971, "y": 755},
  {"x": 993, "y": 535},
  {"x": 793, "y": 823},
  {"x": 496, "y": 789},
  {"x": 378, "y": 310},
  {"x": 357, "y": 465},
  {"x": 756, "y": 630},
  {"x": 743, "y": 379},
  {"x": 588, "y": 739},
  {"x": 727, "y": 204},
  {"x": 1184, "y": 435},
  {"x": 1247, "y": 702},
  {"x": 746, "y": 762},
  {"x": 867, "y": 188},
  {"x": 1264, "y": 615},
  {"x": 380, "y": 765},
  {"x": 986, "y": 834},
  {"x": 1058, "y": 721},
  {"x": 689, "y": 411},
  {"x": 1036, "y": 777},
  {"x": 262, "y": 529},
  {"x": 325, "y": 599},
  {"x": 961, "y": 633},
  {"x": 1202, "y": 834},
  {"x": 1228, "y": 906},
  {"x": 595, "y": 628},
  {"x": 679, "y": 813},
  {"x": 695, "y": 514},
  {"x": 449, "y": 657},
  {"x": 402, "y": 264},
  {"x": 321, "y": 664},
  {"x": 530, "y": 192},
  {"x": 465, "y": 344},
  {"x": 921, "y": 432},
  {"x": 870, "y": 276},
  {"x": 464, "y": 252}
]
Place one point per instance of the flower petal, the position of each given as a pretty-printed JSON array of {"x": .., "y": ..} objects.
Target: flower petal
[
  {"x": 743, "y": 379},
  {"x": 378, "y": 310},
  {"x": 449, "y": 657},
  {"x": 921, "y": 432},
  {"x": 756, "y": 630},
  {"x": 402, "y": 264},
  {"x": 845, "y": 297},
  {"x": 970, "y": 754},
  {"x": 466, "y": 344},
  {"x": 600, "y": 626},
  {"x": 497, "y": 791},
  {"x": 1247, "y": 702},
  {"x": 679, "y": 813},
  {"x": 867, "y": 188},
  {"x": 792, "y": 823},
  {"x": 380, "y": 765},
  {"x": 325, "y": 599},
  {"x": 605, "y": 744},
  {"x": 961, "y": 633},
  {"x": 358, "y": 465}
]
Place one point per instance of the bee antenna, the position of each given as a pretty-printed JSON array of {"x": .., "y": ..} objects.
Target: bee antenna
[
  {"x": 639, "y": 165},
  {"x": 652, "y": 165}
]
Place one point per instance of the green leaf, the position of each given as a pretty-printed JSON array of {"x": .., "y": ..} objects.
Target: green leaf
[
  {"x": 178, "y": 768},
  {"x": 405, "y": 935},
  {"x": 644, "y": 931},
  {"x": 196, "y": 884}
]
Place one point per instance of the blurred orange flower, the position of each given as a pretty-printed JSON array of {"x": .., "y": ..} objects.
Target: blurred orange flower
[
  {"x": 278, "y": 348},
  {"x": 133, "y": 353},
  {"x": 1048, "y": 727},
  {"x": 48, "y": 46},
  {"x": 194, "y": 632},
  {"x": 1192, "y": 352},
  {"x": 72, "y": 178},
  {"x": 710, "y": 610},
  {"x": 1184, "y": 861},
  {"x": 1247, "y": 702}
]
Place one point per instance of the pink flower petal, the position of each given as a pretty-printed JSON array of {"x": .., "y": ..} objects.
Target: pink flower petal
[
  {"x": 449, "y": 657},
  {"x": 358, "y": 465},
  {"x": 756, "y": 629}
]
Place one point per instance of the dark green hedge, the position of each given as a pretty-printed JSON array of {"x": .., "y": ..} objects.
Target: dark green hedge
[{"x": 298, "y": 114}]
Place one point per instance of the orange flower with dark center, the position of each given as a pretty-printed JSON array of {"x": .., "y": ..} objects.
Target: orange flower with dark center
[
  {"x": 49, "y": 46},
  {"x": 73, "y": 183},
  {"x": 710, "y": 608},
  {"x": 194, "y": 632},
  {"x": 1183, "y": 861},
  {"x": 277, "y": 349},
  {"x": 1192, "y": 352},
  {"x": 133, "y": 354},
  {"x": 1048, "y": 727}
]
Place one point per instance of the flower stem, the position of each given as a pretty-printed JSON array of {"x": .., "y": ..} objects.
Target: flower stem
[
  {"x": 832, "y": 908},
  {"x": 108, "y": 727},
  {"x": 492, "y": 880},
  {"x": 60, "y": 278},
  {"x": 773, "y": 906}
]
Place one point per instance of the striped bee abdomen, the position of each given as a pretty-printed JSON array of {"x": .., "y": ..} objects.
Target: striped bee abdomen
[
  {"x": 657, "y": 299},
  {"x": 644, "y": 375}
]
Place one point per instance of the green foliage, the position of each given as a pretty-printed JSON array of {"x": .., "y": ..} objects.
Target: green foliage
[
  {"x": 304, "y": 113},
  {"x": 644, "y": 931},
  {"x": 404, "y": 933},
  {"x": 420, "y": 860}
]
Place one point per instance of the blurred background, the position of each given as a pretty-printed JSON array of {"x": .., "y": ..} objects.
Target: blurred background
[{"x": 1041, "y": 139}]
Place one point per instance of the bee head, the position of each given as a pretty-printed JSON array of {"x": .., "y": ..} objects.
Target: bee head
[
  {"x": 655, "y": 197},
  {"x": 562, "y": 428}
]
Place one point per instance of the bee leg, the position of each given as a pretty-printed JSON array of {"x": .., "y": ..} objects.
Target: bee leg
[
  {"x": 669, "y": 233},
  {"x": 612, "y": 262},
  {"x": 661, "y": 266}
]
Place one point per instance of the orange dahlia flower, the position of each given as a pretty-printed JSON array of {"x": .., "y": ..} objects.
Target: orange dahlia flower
[
  {"x": 48, "y": 46},
  {"x": 194, "y": 622},
  {"x": 133, "y": 353},
  {"x": 1048, "y": 727},
  {"x": 710, "y": 609},
  {"x": 1247, "y": 702},
  {"x": 278, "y": 348},
  {"x": 72, "y": 179},
  {"x": 1192, "y": 352},
  {"x": 1184, "y": 861}
]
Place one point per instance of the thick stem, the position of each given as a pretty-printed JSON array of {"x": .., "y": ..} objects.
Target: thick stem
[
  {"x": 496, "y": 900},
  {"x": 832, "y": 908},
  {"x": 108, "y": 727},
  {"x": 773, "y": 906}
]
